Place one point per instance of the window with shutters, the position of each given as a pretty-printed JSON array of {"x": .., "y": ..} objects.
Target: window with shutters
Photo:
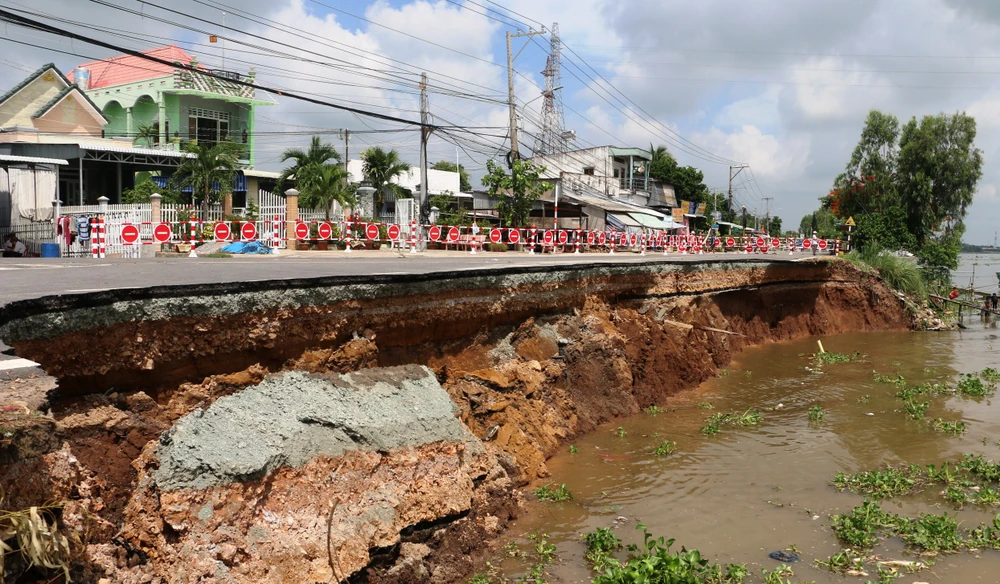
[{"x": 208, "y": 125}]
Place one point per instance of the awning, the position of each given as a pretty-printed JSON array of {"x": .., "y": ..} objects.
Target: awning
[
  {"x": 624, "y": 219},
  {"x": 31, "y": 160},
  {"x": 239, "y": 183},
  {"x": 652, "y": 222}
]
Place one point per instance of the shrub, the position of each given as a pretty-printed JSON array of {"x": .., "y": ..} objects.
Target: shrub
[
  {"x": 500, "y": 247},
  {"x": 559, "y": 494},
  {"x": 898, "y": 273}
]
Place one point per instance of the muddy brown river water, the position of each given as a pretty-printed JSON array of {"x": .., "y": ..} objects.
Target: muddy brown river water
[{"x": 743, "y": 493}]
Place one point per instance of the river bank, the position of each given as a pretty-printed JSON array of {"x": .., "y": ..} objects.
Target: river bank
[{"x": 526, "y": 363}]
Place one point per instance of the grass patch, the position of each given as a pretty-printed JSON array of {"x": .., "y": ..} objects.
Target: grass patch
[
  {"x": 217, "y": 254},
  {"x": 898, "y": 273},
  {"x": 35, "y": 533},
  {"x": 559, "y": 494}
]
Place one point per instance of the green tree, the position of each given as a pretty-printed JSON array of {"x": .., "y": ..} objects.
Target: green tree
[
  {"x": 517, "y": 191},
  {"x": 868, "y": 183},
  {"x": 660, "y": 154},
  {"x": 322, "y": 185},
  {"x": 939, "y": 168},
  {"x": 209, "y": 172},
  {"x": 147, "y": 134},
  {"x": 380, "y": 167},
  {"x": 318, "y": 154},
  {"x": 774, "y": 227},
  {"x": 821, "y": 221},
  {"x": 145, "y": 188},
  {"x": 463, "y": 177}
]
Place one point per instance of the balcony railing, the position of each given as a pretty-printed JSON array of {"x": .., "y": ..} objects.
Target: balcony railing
[{"x": 636, "y": 184}]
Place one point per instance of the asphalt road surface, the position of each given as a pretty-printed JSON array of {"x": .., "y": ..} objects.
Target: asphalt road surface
[{"x": 22, "y": 279}]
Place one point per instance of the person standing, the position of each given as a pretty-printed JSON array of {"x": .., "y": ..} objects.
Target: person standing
[
  {"x": 815, "y": 242},
  {"x": 995, "y": 301}
]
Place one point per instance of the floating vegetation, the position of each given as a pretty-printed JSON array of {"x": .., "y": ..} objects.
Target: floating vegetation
[
  {"x": 559, "y": 494},
  {"x": 573, "y": 449},
  {"x": 601, "y": 544},
  {"x": 706, "y": 406},
  {"x": 715, "y": 423},
  {"x": 893, "y": 481},
  {"x": 653, "y": 410},
  {"x": 972, "y": 385},
  {"x": 654, "y": 562},
  {"x": 915, "y": 410},
  {"x": 827, "y": 357},
  {"x": 621, "y": 432},
  {"x": 664, "y": 448},
  {"x": 954, "y": 428},
  {"x": 816, "y": 413},
  {"x": 864, "y": 399},
  {"x": 990, "y": 375}
]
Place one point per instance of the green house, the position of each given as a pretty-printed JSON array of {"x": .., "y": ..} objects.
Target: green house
[{"x": 164, "y": 107}]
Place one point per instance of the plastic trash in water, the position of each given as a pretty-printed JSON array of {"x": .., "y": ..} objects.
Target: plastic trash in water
[{"x": 783, "y": 556}]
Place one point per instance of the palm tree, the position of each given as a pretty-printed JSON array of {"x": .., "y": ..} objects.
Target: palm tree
[
  {"x": 380, "y": 167},
  {"x": 319, "y": 153},
  {"x": 211, "y": 168},
  {"x": 148, "y": 133},
  {"x": 659, "y": 153},
  {"x": 323, "y": 185}
]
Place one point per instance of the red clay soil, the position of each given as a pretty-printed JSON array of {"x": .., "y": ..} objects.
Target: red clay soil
[{"x": 526, "y": 387}]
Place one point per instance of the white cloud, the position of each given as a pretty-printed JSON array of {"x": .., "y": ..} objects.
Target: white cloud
[{"x": 770, "y": 156}]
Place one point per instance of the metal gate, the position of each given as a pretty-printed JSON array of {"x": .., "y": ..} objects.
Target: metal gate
[
  {"x": 406, "y": 215},
  {"x": 272, "y": 209},
  {"x": 113, "y": 221}
]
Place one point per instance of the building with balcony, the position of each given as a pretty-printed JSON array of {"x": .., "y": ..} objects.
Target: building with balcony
[
  {"x": 164, "y": 107},
  {"x": 606, "y": 185}
]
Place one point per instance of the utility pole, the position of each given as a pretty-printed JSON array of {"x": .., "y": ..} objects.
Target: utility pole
[
  {"x": 767, "y": 214},
  {"x": 425, "y": 133},
  {"x": 738, "y": 169},
  {"x": 744, "y": 220},
  {"x": 511, "y": 102},
  {"x": 345, "y": 135}
]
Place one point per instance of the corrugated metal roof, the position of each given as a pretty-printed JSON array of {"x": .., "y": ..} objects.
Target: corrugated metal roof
[
  {"x": 98, "y": 147},
  {"x": 251, "y": 172},
  {"x": 31, "y": 160},
  {"x": 609, "y": 204}
]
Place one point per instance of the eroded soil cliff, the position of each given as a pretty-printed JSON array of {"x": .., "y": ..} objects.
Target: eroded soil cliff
[{"x": 523, "y": 377}]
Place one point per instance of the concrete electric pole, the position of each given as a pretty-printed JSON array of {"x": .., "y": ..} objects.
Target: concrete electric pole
[
  {"x": 511, "y": 100},
  {"x": 738, "y": 169},
  {"x": 425, "y": 133}
]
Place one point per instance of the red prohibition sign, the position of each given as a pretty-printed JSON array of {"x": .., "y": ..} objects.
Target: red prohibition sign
[
  {"x": 590, "y": 238},
  {"x": 453, "y": 234},
  {"x": 513, "y": 235},
  {"x": 249, "y": 231},
  {"x": 632, "y": 240},
  {"x": 301, "y": 231},
  {"x": 371, "y": 231},
  {"x": 806, "y": 243},
  {"x": 763, "y": 249},
  {"x": 130, "y": 233},
  {"x": 602, "y": 237},
  {"x": 730, "y": 242},
  {"x": 563, "y": 237},
  {"x": 495, "y": 235},
  {"x": 748, "y": 248},
  {"x": 548, "y": 237},
  {"x": 221, "y": 231},
  {"x": 435, "y": 233},
  {"x": 760, "y": 242},
  {"x": 325, "y": 230},
  {"x": 393, "y": 232},
  {"x": 822, "y": 244},
  {"x": 775, "y": 242},
  {"x": 162, "y": 233}
]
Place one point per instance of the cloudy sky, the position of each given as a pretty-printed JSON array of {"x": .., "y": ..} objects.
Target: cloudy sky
[{"x": 783, "y": 85}]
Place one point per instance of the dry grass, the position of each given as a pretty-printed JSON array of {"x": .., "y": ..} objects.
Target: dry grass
[{"x": 37, "y": 537}]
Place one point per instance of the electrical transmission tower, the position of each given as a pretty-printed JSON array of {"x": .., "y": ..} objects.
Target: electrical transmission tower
[{"x": 552, "y": 137}]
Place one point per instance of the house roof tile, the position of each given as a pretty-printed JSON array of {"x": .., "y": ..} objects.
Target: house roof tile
[{"x": 130, "y": 69}]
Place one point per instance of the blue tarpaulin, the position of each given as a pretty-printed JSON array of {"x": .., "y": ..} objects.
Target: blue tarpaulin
[{"x": 247, "y": 247}]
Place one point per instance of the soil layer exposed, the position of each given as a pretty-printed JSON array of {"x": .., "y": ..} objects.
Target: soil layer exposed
[{"x": 528, "y": 361}]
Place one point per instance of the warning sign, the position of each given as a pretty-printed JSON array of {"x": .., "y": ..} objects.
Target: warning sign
[{"x": 850, "y": 222}]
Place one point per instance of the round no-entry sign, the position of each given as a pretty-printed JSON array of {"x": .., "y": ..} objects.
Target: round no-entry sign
[
  {"x": 495, "y": 235},
  {"x": 453, "y": 234},
  {"x": 221, "y": 231},
  {"x": 162, "y": 233},
  {"x": 325, "y": 230},
  {"x": 602, "y": 237},
  {"x": 393, "y": 232},
  {"x": 435, "y": 233},
  {"x": 249, "y": 231},
  {"x": 513, "y": 235},
  {"x": 371, "y": 231},
  {"x": 822, "y": 244},
  {"x": 806, "y": 243},
  {"x": 632, "y": 240},
  {"x": 301, "y": 231},
  {"x": 775, "y": 242},
  {"x": 548, "y": 237},
  {"x": 730, "y": 242},
  {"x": 590, "y": 238},
  {"x": 563, "y": 237},
  {"x": 760, "y": 242},
  {"x": 130, "y": 234}
]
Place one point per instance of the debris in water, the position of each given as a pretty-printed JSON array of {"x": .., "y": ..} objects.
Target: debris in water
[
  {"x": 783, "y": 556},
  {"x": 491, "y": 433}
]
